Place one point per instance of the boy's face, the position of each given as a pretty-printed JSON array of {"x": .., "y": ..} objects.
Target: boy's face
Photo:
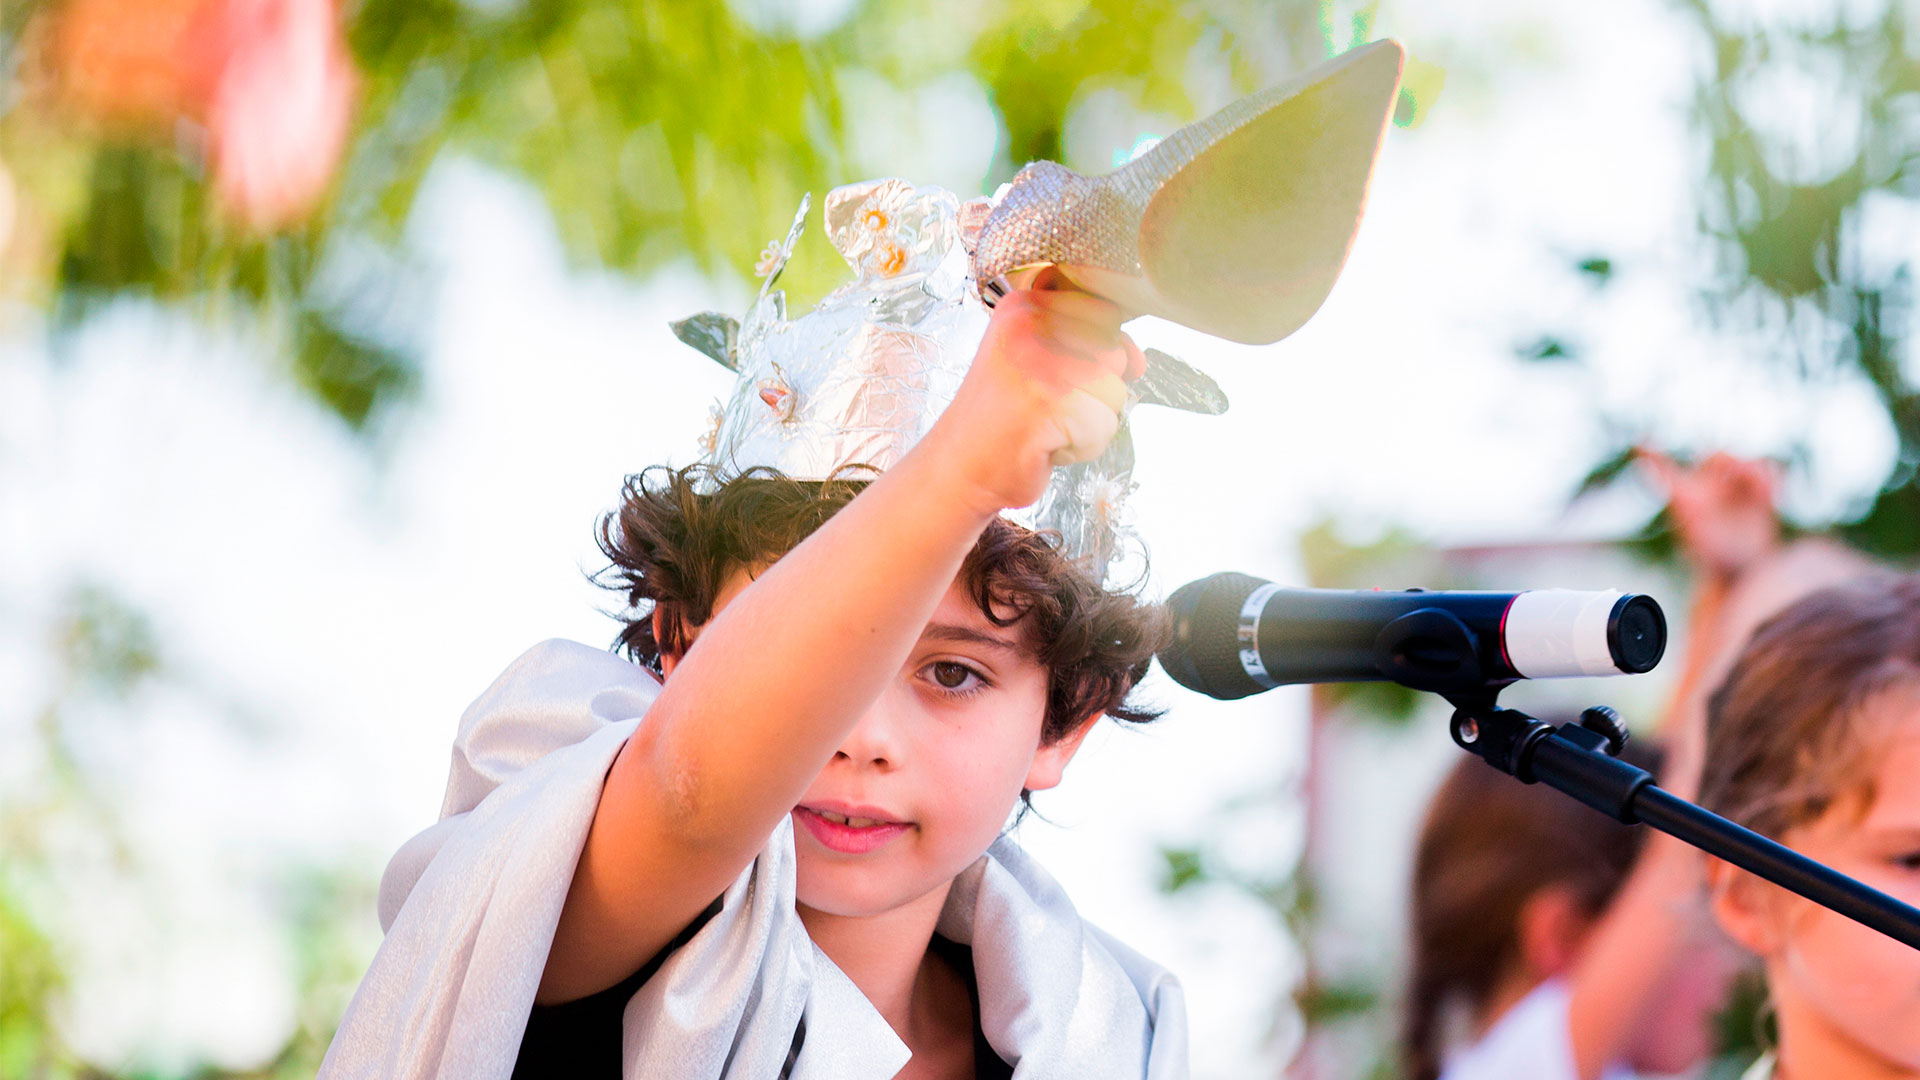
[
  {"x": 1832, "y": 979},
  {"x": 927, "y": 778}
]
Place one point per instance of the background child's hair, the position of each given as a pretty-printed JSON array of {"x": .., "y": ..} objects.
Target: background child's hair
[
  {"x": 679, "y": 532},
  {"x": 1786, "y": 731},
  {"x": 1489, "y": 843}
]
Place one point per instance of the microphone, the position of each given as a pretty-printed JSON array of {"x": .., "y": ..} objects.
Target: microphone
[{"x": 1235, "y": 635}]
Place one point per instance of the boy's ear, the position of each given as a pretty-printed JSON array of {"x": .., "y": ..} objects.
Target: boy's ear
[
  {"x": 1050, "y": 763},
  {"x": 662, "y": 621},
  {"x": 1746, "y": 907}
]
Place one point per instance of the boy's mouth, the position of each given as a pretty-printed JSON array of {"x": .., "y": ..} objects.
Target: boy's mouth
[{"x": 850, "y": 830}]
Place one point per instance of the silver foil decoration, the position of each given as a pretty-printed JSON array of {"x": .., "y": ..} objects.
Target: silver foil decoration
[{"x": 860, "y": 379}]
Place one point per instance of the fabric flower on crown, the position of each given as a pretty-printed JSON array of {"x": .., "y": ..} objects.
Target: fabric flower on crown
[{"x": 889, "y": 229}]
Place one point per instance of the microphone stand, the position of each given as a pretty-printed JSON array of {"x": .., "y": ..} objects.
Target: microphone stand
[{"x": 1578, "y": 759}]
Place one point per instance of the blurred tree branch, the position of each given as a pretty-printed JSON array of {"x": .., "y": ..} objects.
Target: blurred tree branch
[
  {"x": 656, "y": 130},
  {"x": 1796, "y": 218}
]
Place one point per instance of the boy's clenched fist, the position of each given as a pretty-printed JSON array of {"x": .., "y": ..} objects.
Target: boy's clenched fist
[{"x": 1045, "y": 389}]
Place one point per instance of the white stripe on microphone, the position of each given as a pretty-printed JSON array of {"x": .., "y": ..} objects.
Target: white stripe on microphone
[{"x": 1556, "y": 633}]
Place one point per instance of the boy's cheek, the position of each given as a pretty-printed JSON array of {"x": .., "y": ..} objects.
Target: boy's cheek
[
  {"x": 973, "y": 781},
  {"x": 981, "y": 787}
]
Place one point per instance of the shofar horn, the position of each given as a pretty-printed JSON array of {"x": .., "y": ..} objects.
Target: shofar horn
[{"x": 1236, "y": 225}]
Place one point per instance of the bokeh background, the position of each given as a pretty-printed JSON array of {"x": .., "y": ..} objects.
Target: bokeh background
[{"x": 328, "y": 329}]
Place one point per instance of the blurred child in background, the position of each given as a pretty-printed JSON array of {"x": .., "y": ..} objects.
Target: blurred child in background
[
  {"x": 1814, "y": 740},
  {"x": 1543, "y": 946},
  {"x": 1513, "y": 883}
]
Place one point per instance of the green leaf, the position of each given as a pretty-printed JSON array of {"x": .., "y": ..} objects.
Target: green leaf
[
  {"x": 1547, "y": 348},
  {"x": 1322, "y": 1003},
  {"x": 1384, "y": 702},
  {"x": 1608, "y": 470},
  {"x": 354, "y": 375},
  {"x": 30, "y": 980},
  {"x": 1890, "y": 527},
  {"x": 1183, "y": 867}
]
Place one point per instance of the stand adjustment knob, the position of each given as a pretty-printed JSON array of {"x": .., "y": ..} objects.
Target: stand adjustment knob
[{"x": 1606, "y": 723}]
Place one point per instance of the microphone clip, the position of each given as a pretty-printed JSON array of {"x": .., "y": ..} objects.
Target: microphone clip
[
  {"x": 1581, "y": 758},
  {"x": 1431, "y": 649}
]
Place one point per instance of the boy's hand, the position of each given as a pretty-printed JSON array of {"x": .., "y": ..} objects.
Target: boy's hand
[{"x": 1046, "y": 388}]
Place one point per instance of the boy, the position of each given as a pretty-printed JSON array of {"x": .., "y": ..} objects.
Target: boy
[
  {"x": 858, "y": 685},
  {"x": 876, "y": 700}
]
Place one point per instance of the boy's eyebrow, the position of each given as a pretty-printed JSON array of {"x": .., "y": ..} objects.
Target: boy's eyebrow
[{"x": 941, "y": 631}]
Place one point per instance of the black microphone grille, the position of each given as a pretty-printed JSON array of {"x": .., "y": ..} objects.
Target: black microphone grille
[
  {"x": 1636, "y": 633},
  {"x": 1205, "y": 653}
]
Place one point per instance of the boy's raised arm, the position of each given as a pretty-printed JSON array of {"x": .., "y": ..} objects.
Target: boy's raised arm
[{"x": 756, "y": 707}]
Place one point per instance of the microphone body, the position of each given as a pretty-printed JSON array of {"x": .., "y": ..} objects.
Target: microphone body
[{"x": 1236, "y": 635}]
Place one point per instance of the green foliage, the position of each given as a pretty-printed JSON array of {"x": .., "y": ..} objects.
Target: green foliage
[
  {"x": 1387, "y": 703},
  {"x": 1183, "y": 868},
  {"x": 1792, "y": 216},
  {"x": 1891, "y": 526},
  {"x": 1547, "y": 348},
  {"x": 1326, "y": 1003},
  {"x": 1793, "y": 213},
  {"x": 1745, "y": 1026},
  {"x": 29, "y": 980},
  {"x": 1291, "y": 897},
  {"x": 1333, "y": 561},
  {"x": 105, "y": 642},
  {"x": 106, "y": 652},
  {"x": 655, "y": 130},
  {"x": 1144, "y": 46},
  {"x": 1393, "y": 560}
]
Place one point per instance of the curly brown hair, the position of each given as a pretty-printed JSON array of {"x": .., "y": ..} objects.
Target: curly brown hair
[{"x": 679, "y": 532}]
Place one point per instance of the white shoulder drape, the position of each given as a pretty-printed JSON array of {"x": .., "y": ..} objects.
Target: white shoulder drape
[{"x": 470, "y": 906}]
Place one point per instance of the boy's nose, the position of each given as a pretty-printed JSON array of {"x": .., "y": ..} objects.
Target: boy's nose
[{"x": 873, "y": 741}]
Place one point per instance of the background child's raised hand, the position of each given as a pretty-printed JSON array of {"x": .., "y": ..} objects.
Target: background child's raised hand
[
  {"x": 1729, "y": 530},
  {"x": 1723, "y": 508},
  {"x": 1045, "y": 389}
]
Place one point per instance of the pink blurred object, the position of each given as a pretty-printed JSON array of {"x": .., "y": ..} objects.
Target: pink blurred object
[
  {"x": 269, "y": 81},
  {"x": 279, "y": 113}
]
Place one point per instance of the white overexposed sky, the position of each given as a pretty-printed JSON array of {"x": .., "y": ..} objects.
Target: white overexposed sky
[{"x": 346, "y": 605}]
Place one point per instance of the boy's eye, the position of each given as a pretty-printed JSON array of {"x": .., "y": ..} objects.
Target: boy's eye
[
  {"x": 1909, "y": 861},
  {"x": 950, "y": 675}
]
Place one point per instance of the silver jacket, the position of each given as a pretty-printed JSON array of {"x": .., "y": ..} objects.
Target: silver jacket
[{"x": 470, "y": 906}]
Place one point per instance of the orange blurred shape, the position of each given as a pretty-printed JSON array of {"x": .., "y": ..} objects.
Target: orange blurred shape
[
  {"x": 269, "y": 81},
  {"x": 135, "y": 63}
]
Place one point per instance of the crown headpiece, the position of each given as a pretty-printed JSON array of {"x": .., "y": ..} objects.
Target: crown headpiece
[{"x": 1236, "y": 225}]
